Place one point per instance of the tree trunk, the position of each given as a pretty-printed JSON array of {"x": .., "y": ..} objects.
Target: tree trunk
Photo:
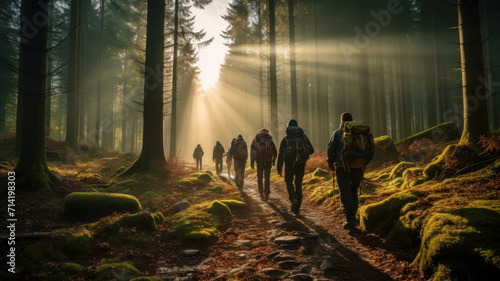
[
  {"x": 71, "y": 110},
  {"x": 31, "y": 170},
  {"x": 99, "y": 79},
  {"x": 272, "y": 68},
  {"x": 474, "y": 93},
  {"x": 152, "y": 158},
  {"x": 173, "y": 118},
  {"x": 293, "y": 63}
]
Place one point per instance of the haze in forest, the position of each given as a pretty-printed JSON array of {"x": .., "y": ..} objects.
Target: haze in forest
[{"x": 394, "y": 64}]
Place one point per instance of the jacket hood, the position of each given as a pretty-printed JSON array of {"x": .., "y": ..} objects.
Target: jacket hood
[
  {"x": 239, "y": 138},
  {"x": 292, "y": 123}
]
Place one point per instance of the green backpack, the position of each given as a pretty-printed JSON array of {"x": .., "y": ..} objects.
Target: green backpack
[{"x": 358, "y": 141}]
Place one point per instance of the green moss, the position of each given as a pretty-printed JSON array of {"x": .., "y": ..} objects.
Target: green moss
[
  {"x": 436, "y": 167},
  {"x": 323, "y": 174},
  {"x": 158, "y": 217},
  {"x": 116, "y": 272},
  {"x": 495, "y": 166},
  {"x": 73, "y": 242},
  {"x": 321, "y": 193},
  {"x": 400, "y": 168},
  {"x": 198, "y": 179},
  {"x": 120, "y": 170},
  {"x": 35, "y": 256},
  {"x": 72, "y": 268},
  {"x": 127, "y": 183},
  {"x": 143, "y": 278},
  {"x": 206, "y": 177},
  {"x": 149, "y": 196},
  {"x": 385, "y": 151},
  {"x": 470, "y": 234},
  {"x": 443, "y": 132},
  {"x": 234, "y": 204},
  {"x": 91, "y": 205},
  {"x": 209, "y": 172},
  {"x": 143, "y": 221},
  {"x": 219, "y": 209},
  {"x": 194, "y": 225},
  {"x": 382, "y": 216},
  {"x": 217, "y": 189}
]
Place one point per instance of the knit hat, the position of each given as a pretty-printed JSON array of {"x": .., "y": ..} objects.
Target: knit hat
[
  {"x": 292, "y": 122},
  {"x": 346, "y": 116}
]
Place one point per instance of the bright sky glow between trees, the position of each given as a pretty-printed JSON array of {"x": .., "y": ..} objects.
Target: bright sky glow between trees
[{"x": 211, "y": 57}]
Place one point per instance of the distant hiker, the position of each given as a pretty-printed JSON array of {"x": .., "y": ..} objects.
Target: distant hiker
[
  {"x": 198, "y": 155},
  {"x": 229, "y": 159},
  {"x": 349, "y": 151},
  {"x": 263, "y": 151},
  {"x": 294, "y": 151},
  {"x": 239, "y": 152},
  {"x": 217, "y": 156}
]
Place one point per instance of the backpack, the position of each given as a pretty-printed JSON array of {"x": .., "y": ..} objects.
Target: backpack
[
  {"x": 359, "y": 144},
  {"x": 263, "y": 151},
  {"x": 296, "y": 151},
  {"x": 198, "y": 152},
  {"x": 239, "y": 150},
  {"x": 219, "y": 151}
]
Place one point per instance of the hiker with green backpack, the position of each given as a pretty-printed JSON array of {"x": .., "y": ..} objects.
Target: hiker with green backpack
[
  {"x": 294, "y": 152},
  {"x": 350, "y": 149}
]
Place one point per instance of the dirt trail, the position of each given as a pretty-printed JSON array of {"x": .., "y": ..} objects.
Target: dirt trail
[{"x": 268, "y": 241}]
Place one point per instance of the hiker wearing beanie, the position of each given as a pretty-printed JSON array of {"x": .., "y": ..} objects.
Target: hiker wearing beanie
[
  {"x": 239, "y": 152},
  {"x": 198, "y": 155},
  {"x": 347, "y": 158},
  {"x": 263, "y": 151},
  {"x": 294, "y": 152},
  {"x": 217, "y": 156}
]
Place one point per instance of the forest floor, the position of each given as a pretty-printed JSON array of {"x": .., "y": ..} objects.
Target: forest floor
[{"x": 263, "y": 241}]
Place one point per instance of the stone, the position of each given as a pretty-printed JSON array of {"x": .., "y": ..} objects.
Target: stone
[
  {"x": 273, "y": 255},
  {"x": 242, "y": 257},
  {"x": 272, "y": 272},
  {"x": 327, "y": 265},
  {"x": 189, "y": 253},
  {"x": 180, "y": 206},
  {"x": 229, "y": 231},
  {"x": 301, "y": 277},
  {"x": 242, "y": 242},
  {"x": 284, "y": 257},
  {"x": 288, "y": 264},
  {"x": 287, "y": 240}
]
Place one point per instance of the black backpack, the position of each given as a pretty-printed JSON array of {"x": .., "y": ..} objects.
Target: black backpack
[
  {"x": 296, "y": 151},
  {"x": 239, "y": 150}
]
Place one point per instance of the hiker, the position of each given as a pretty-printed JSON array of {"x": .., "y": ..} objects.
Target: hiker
[
  {"x": 294, "y": 151},
  {"x": 239, "y": 153},
  {"x": 229, "y": 159},
  {"x": 263, "y": 151},
  {"x": 349, "y": 151},
  {"x": 198, "y": 155},
  {"x": 217, "y": 156}
]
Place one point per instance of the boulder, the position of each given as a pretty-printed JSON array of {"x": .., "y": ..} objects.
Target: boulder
[{"x": 92, "y": 205}]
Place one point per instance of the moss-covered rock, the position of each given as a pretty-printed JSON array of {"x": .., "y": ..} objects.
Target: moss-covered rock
[
  {"x": 194, "y": 225},
  {"x": 206, "y": 177},
  {"x": 470, "y": 234},
  {"x": 209, "y": 172},
  {"x": 400, "y": 168},
  {"x": 441, "y": 133},
  {"x": 73, "y": 242},
  {"x": 382, "y": 216},
  {"x": 116, "y": 272},
  {"x": 70, "y": 268},
  {"x": 219, "y": 209},
  {"x": 385, "y": 152},
  {"x": 91, "y": 205},
  {"x": 234, "y": 204},
  {"x": 217, "y": 189},
  {"x": 143, "y": 221},
  {"x": 149, "y": 196},
  {"x": 197, "y": 179}
]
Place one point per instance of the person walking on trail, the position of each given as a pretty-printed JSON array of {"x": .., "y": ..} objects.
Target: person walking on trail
[
  {"x": 294, "y": 152},
  {"x": 349, "y": 151},
  {"x": 217, "y": 156},
  {"x": 239, "y": 152},
  {"x": 198, "y": 155},
  {"x": 229, "y": 159},
  {"x": 263, "y": 151}
]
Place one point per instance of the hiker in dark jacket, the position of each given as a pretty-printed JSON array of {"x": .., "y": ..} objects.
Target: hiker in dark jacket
[
  {"x": 349, "y": 174},
  {"x": 217, "y": 156},
  {"x": 239, "y": 152},
  {"x": 198, "y": 155},
  {"x": 229, "y": 159},
  {"x": 263, "y": 151},
  {"x": 294, "y": 151}
]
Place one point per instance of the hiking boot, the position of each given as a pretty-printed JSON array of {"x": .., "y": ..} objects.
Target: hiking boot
[{"x": 295, "y": 206}]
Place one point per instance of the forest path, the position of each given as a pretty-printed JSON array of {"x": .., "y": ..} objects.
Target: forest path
[{"x": 274, "y": 243}]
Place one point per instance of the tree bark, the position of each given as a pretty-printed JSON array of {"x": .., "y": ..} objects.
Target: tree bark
[
  {"x": 152, "y": 158},
  {"x": 293, "y": 62},
  {"x": 474, "y": 93},
  {"x": 32, "y": 171},
  {"x": 173, "y": 118},
  {"x": 99, "y": 78},
  {"x": 272, "y": 68},
  {"x": 71, "y": 109}
]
